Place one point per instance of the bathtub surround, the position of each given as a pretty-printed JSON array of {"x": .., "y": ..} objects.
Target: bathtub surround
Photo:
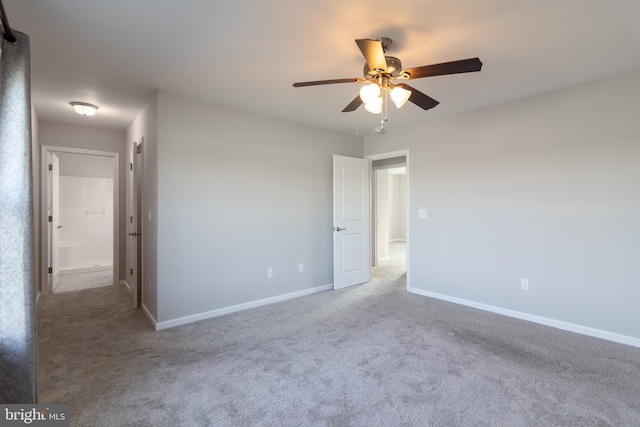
[{"x": 86, "y": 214}]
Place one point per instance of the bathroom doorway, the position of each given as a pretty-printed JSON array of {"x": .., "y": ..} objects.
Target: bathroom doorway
[{"x": 81, "y": 221}]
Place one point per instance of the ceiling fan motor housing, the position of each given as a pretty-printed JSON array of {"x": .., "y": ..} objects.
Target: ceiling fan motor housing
[{"x": 394, "y": 66}]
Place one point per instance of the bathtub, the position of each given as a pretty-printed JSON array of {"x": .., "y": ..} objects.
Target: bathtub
[{"x": 76, "y": 256}]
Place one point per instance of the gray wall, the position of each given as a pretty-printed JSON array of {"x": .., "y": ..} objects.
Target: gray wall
[
  {"x": 546, "y": 188},
  {"x": 398, "y": 207},
  {"x": 237, "y": 193},
  {"x": 382, "y": 214},
  {"x": 61, "y": 135}
]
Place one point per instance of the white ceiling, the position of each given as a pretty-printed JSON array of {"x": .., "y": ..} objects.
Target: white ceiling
[{"x": 247, "y": 53}]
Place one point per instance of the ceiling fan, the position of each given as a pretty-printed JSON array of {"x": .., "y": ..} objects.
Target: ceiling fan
[{"x": 381, "y": 71}]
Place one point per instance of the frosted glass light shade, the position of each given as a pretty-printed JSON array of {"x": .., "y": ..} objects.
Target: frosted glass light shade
[
  {"x": 84, "y": 109},
  {"x": 400, "y": 96},
  {"x": 374, "y": 106},
  {"x": 369, "y": 93}
]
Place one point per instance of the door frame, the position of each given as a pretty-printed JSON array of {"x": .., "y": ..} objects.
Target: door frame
[
  {"x": 53, "y": 209},
  {"x": 389, "y": 155},
  {"x": 45, "y": 232},
  {"x": 134, "y": 259}
]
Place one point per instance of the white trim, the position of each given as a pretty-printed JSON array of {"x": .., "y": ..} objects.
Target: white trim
[
  {"x": 152, "y": 319},
  {"x": 44, "y": 228},
  {"x": 126, "y": 285},
  {"x": 234, "y": 308},
  {"x": 397, "y": 240},
  {"x": 558, "y": 324},
  {"x": 37, "y": 297},
  {"x": 390, "y": 155}
]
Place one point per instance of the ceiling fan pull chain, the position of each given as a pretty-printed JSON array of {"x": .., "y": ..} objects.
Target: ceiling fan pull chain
[{"x": 386, "y": 104}]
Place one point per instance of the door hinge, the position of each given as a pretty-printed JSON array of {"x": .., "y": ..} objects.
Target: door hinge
[
  {"x": 50, "y": 218},
  {"x": 131, "y": 271},
  {"x": 131, "y": 219},
  {"x": 131, "y": 166},
  {"x": 50, "y": 167},
  {"x": 50, "y": 270}
]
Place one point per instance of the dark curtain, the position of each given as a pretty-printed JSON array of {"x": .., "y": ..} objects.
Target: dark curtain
[{"x": 17, "y": 302}]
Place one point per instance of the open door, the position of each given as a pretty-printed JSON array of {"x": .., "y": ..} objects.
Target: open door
[
  {"x": 135, "y": 223},
  {"x": 133, "y": 227},
  {"x": 54, "y": 222},
  {"x": 351, "y": 227}
]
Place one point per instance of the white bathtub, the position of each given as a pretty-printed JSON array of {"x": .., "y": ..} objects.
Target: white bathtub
[{"x": 76, "y": 256}]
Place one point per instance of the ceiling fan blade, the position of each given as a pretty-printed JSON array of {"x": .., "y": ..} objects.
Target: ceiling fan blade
[
  {"x": 373, "y": 53},
  {"x": 454, "y": 67},
  {"x": 353, "y": 105},
  {"x": 327, "y": 82},
  {"x": 420, "y": 99}
]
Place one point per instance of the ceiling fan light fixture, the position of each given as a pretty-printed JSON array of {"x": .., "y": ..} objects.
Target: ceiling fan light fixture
[
  {"x": 400, "y": 96},
  {"x": 84, "y": 109},
  {"x": 374, "y": 106},
  {"x": 370, "y": 93}
]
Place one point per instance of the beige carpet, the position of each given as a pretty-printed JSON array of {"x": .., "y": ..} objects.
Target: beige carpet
[{"x": 371, "y": 355}]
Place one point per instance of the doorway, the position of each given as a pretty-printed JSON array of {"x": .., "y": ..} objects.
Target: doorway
[
  {"x": 80, "y": 220},
  {"x": 390, "y": 219}
]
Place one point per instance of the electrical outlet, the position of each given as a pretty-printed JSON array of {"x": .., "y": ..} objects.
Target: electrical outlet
[
  {"x": 269, "y": 272},
  {"x": 524, "y": 283},
  {"x": 300, "y": 268}
]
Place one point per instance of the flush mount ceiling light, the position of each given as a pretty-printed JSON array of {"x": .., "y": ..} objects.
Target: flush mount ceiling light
[
  {"x": 381, "y": 70},
  {"x": 84, "y": 109}
]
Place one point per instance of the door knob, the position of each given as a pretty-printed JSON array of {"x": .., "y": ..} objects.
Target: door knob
[
  {"x": 340, "y": 229},
  {"x": 133, "y": 234},
  {"x": 59, "y": 227}
]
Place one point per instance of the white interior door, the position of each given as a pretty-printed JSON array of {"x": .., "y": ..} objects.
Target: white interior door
[
  {"x": 133, "y": 227},
  {"x": 55, "y": 221},
  {"x": 133, "y": 241},
  {"x": 351, "y": 223}
]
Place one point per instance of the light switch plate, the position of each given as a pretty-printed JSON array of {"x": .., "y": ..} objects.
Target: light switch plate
[{"x": 422, "y": 213}]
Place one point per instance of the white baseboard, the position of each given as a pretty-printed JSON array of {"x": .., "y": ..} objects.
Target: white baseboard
[
  {"x": 234, "y": 308},
  {"x": 398, "y": 240},
  {"x": 559, "y": 324},
  {"x": 126, "y": 284},
  {"x": 152, "y": 319}
]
